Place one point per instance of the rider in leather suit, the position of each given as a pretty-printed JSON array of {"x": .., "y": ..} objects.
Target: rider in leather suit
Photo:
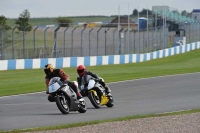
[
  {"x": 81, "y": 70},
  {"x": 51, "y": 72}
]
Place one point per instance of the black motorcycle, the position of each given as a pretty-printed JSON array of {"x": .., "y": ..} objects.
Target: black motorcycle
[
  {"x": 65, "y": 97},
  {"x": 91, "y": 88}
]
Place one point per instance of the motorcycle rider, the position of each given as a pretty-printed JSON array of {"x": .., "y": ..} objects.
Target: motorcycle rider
[
  {"x": 81, "y": 70},
  {"x": 65, "y": 78}
]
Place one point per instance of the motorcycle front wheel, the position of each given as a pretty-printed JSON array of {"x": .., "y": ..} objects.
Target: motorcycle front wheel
[
  {"x": 83, "y": 107},
  {"x": 110, "y": 102},
  {"x": 62, "y": 104},
  {"x": 95, "y": 100}
]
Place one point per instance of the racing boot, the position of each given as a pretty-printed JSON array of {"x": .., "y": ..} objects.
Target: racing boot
[
  {"x": 79, "y": 96},
  {"x": 107, "y": 89},
  {"x": 75, "y": 88}
]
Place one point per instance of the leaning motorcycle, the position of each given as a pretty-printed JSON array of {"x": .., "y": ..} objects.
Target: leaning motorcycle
[
  {"x": 95, "y": 92},
  {"x": 65, "y": 97}
]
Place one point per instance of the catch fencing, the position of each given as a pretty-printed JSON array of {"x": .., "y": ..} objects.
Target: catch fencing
[{"x": 55, "y": 42}]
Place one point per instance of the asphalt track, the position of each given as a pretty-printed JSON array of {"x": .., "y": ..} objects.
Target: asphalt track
[{"x": 135, "y": 97}]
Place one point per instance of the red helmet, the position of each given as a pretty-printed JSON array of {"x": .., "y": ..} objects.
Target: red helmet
[{"x": 81, "y": 70}]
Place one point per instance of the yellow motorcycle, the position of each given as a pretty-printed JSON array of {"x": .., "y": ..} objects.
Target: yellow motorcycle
[{"x": 95, "y": 92}]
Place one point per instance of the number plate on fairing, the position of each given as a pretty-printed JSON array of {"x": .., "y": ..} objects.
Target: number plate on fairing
[{"x": 54, "y": 87}]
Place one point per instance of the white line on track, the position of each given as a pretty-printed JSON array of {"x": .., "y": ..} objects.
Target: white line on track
[
  {"x": 23, "y": 94},
  {"x": 154, "y": 77}
]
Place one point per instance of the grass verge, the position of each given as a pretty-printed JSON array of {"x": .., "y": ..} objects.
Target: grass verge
[{"x": 65, "y": 126}]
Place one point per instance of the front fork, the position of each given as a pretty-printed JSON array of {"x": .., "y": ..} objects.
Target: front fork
[{"x": 94, "y": 92}]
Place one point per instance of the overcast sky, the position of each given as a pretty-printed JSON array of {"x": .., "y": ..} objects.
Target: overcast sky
[{"x": 66, "y": 8}]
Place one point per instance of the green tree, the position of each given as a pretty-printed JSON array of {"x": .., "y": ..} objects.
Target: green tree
[
  {"x": 64, "y": 21},
  {"x": 3, "y": 23},
  {"x": 135, "y": 12},
  {"x": 143, "y": 12},
  {"x": 149, "y": 12},
  {"x": 23, "y": 21},
  {"x": 3, "y": 33}
]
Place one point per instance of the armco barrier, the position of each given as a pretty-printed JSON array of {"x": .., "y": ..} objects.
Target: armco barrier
[{"x": 95, "y": 60}]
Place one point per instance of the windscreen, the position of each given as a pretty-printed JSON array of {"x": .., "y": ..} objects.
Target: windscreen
[{"x": 54, "y": 80}]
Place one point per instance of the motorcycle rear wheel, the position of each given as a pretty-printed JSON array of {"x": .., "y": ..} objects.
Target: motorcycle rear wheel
[
  {"x": 62, "y": 105},
  {"x": 93, "y": 99}
]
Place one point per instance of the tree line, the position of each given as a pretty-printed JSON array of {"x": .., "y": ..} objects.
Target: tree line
[{"x": 23, "y": 24}]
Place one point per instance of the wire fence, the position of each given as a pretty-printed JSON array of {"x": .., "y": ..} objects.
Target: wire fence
[{"x": 54, "y": 42}]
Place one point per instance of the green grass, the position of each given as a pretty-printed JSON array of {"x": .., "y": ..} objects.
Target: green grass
[
  {"x": 32, "y": 80},
  {"x": 72, "y": 125}
]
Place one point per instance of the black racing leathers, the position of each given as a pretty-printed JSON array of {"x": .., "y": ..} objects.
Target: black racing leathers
[
  {"x": 65, "y": 78},
  {"x": 91, "y": 74}
]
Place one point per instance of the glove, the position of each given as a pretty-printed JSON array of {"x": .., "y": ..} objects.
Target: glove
[
  {"x": 100, "y": 80},
  {"x": 96, "y": 80},
  {"x": 66, "y": 82},
  {"x": 47, "y": 91}
]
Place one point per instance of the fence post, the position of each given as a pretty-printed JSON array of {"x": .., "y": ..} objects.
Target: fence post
[
  {"x": 143, "y": 38},
  {"x": 72, "y": 41},
  {"x": 89, "y": 40},
  {"x": 106, "y": 30},
  {"x": 160, "y": 32},
  {"x": 120, "y": 40},
  {"x": 2, "y": 32},
  {"x": 55, "y": 41},
  {"x": 65, "y": 41},
  {"x": 199, "y": 31},
  {"x": 114, "y": 41},
  {"x": 125, "y": 41},
  {"x": 130, "y": 42},
  {"x": 24, "y": 39},
  {"x": 152, "y": 35},
  {"x": 196, "y": 29},
  {"x": 82, "y": 41},
  {"x": 134, "y": 32},
  {"x": 13, "y": 39},
  {"x": 98, "y": 40},
  {"x": 34, "y": 41},
  {"x": 44, "y": 54}
]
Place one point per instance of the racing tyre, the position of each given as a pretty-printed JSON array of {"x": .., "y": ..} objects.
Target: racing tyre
[
  {"x": 62, "y": 104},
  {"x": 83, "y": 107},
  {"x": 110, "y": 102},
  {"x": 94, "y": 100}
]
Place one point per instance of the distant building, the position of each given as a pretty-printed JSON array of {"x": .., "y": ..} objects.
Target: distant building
[
  {"x": 123, "y": 21},
  {"x": 196, "y": 14}
]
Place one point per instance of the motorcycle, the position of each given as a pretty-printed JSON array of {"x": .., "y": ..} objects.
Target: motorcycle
[
  {"x": 65, "y": 97},
  {"x": 95, "y": 92}
]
